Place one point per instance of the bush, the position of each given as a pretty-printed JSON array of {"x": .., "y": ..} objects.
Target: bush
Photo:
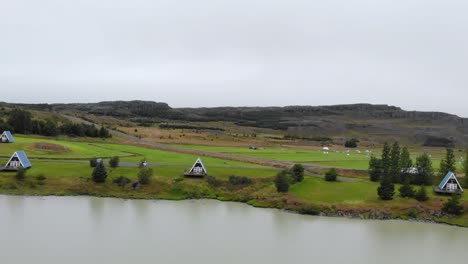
[
  {"x": 236, "y": 180},
  {"x": 114, "y": 162},
  {"x": 352, "y": 143},
  {"x": 453, "y": 206},
  {"x": 281, "y": 182},
  {"x": 406, "y": 190},
  {"x": 121, "y": 181},
  {"x": 297, "y": 173},
  {"x": 213, "y": 181},
  {"x": 21, "y": 174},
  {"x": 93, "y": 162},
  {"x": 99, "y": 173},
  {"x": 144, "y": 175},
  {"x": 331, "y": 175},
  {"x": 421, "y": 194},
  {"x": 309, "y": 210}
]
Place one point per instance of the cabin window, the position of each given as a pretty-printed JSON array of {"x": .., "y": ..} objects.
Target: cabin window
[{"x": 452, "y": 186}]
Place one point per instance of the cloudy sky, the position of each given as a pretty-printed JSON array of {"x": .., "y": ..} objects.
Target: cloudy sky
[{"x": 409, "y": 53}]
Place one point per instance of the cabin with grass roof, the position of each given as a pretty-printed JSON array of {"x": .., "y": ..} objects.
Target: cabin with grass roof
[
  {"x": 19, "y": 159},
  {"x": 449, "y": 185},
  {"x": 197, "y": 170},
  {"x": 7, "y": 137}
]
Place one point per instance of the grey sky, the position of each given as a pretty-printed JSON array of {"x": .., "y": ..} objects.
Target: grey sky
[{"x": 409, "y": 53}]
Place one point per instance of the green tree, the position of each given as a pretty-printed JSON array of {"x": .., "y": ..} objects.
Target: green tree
[
  {"x": 405, "y": 164},
  {"x": 405, "y": 159},
  {"x": 114, "y": 162},
  {"x": 395, "y": 169},
  {"x": 386, "y": 190},
  {"x": 93, "y": 162},
  {"x": 297, "y": 173},
  {"x": 99, "y": 173},
  {"x": 21, "y": 121},
  {"x": 406, "y": 190},
  {"x": 103, "y": 132},
  {"x": 375, "y": 169},
  {"x": 453, "y": 206},
  {"x": 385, "y": 160},
  {"x": 421, "y": 194},
  {"x": 449, "y": 163},
  {"x": 281, "y": 182},
  {"x": 21, "y": 174},
  {"x": 425, "y": 170},
  {"x": 331, "y": 175},
  {"x": 145, "y": 174}
]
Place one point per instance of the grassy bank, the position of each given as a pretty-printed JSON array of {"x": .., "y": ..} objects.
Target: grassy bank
[{"x": 312, "y": 196}]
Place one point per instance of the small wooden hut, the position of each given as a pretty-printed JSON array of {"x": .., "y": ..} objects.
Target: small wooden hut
[
  {"x": 197, "y": 170},
  {"x": 17, "y": 160},
  {"x": 449, "y": 185},
  {"x": 7, "y": 137}
]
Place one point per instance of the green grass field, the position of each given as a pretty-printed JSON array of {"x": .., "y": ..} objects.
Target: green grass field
[
  {"x": 45, "y": 148},
  {"x": 355, "y": 159},
  {"x": 75, "y": 156}
]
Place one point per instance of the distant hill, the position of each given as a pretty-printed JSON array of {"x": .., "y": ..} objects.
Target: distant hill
[{"x": 365, "y": 121}]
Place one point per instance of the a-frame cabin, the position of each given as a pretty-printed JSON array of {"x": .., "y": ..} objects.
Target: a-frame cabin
[
  {"x": 197, "y": 170},
  {"x": 449, "y": 185},
  {"x": 18, "y": 160},
  {"x": 7, "y": 137}
]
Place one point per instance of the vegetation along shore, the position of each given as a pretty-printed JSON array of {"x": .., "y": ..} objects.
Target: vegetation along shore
[{"x": 143, "y": 154}]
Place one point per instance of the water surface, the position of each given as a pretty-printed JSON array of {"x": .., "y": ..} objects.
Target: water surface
[{"x": 57, "y": 230}]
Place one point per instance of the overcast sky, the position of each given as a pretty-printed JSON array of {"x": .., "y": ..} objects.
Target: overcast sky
[{"x": 408, "y": 53}]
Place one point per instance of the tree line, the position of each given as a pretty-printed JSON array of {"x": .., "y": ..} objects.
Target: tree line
[
  {"x": 21, "y": 122},
  {"x": 395, "y": 166}
]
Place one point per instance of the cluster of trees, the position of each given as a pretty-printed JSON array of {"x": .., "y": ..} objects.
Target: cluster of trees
[
  {"x": 352, "y": 143},
  {"x": 289, "y": 176},
  {"x": 396, "y": 166},
  {"x": 20, "y": 121},
  {"x": 99, "y": 174}
]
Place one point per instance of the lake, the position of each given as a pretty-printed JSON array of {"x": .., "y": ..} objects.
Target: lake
[{"x": 58, "y": 230}]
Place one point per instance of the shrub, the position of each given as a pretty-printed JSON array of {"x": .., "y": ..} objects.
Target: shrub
[
  {"x": 121, "y": 181},
  {"x": 213, "y": 181},
  {"x": 93, "y": 162},
  {"x": 406, "y": 190},
  {"x": 297, "y": 173},
  {"x": 114, "y": 162},
  {"x": 144, "y": 175},
  {"x": 237, "y": 180},
  {"x": 421, "y": 194},
  {"x": 352, "y": 143},
  {"x": 453, "y": 206},
  {"x": 309, "y": 210},
  {"x": 331, "y": 175},
  {"x": 21, "y": 174},
  {"x": 413, "y": 213},
  {"x": 281, "y": 182}
]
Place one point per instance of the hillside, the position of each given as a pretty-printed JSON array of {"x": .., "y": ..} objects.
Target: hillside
[{"x": 371, "y": 123}]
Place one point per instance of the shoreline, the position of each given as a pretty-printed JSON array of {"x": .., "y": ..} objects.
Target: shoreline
[{"x": 338, "y": 214}]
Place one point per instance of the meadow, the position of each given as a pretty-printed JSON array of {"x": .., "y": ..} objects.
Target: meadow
[
  {"x": 65, "y": 165},
  {"x": 337, "y": 157}
]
